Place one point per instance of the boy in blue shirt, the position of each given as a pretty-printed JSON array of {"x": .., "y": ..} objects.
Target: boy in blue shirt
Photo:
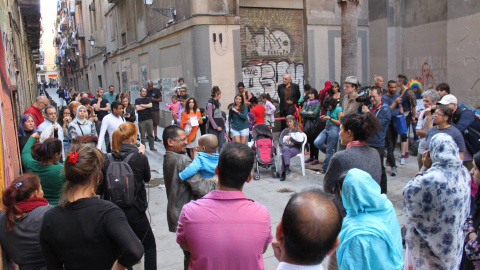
[{"x": 206, "y": 160}]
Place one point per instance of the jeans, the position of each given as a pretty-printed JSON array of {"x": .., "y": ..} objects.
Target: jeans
[
  {"x": 146, "y": 126},
  {"x": 141, "y": 227},
  {"x": 220, "y": 136},
  {"x": 287, "y": 153},
  {"x": 329, "y": 136}
]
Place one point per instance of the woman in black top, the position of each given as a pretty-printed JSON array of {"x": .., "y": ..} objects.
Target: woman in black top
[
  {"x": 123, "y": 144},
  {"x": 83, "y": 232},
  {"x": 128, "y": 109},
  {"x": 25, "y": 129}
]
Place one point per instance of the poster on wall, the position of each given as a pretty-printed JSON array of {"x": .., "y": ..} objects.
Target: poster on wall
[
  {"x": 169, "y": 85},
  {"x": 272, "y": 46},
  {"x": 144, "y": 76}
]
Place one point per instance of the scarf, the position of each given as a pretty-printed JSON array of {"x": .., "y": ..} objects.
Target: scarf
[
  {"x": 356, "y": 143},
  {"x": 311, "y": 102},
  {"x": 215, "y": 103},
  {"x": 81, "y": 121},
  {"x": 31, "y": 203}
]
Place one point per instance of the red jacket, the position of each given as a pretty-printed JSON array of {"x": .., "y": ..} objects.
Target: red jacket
[{"x": 36, "y": 113}]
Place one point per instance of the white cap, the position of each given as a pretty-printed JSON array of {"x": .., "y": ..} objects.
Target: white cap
[
  {"x": 448, "y": 99},
  {"x": 352, "y": 80}
]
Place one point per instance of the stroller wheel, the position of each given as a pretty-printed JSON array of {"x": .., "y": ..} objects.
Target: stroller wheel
[{"x": 256, "y": 176}]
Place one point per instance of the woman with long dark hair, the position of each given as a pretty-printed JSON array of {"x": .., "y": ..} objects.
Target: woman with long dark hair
[
  {"x": 64, "y": 119},
  {"x": 21, "y": 221},
  {"x": 238, "y": 118},
  {"x": 42, "y": 160},
  {"x": 83, "y": 232},
  {"x": 311, "y": 123},
  {"x": 190, "y": 114},
  {"x": 25, "y": 129},
  {"x": 216, "y": 122},
  {"x": 128, "y": 109}
]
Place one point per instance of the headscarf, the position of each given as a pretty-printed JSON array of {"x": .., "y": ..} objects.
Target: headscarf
[
  {"x": 436, "y": 205},
  {"x": 79, "y": 120},
  {"x": 370, "y": 234},
  {"x": 23, "y": 119}
]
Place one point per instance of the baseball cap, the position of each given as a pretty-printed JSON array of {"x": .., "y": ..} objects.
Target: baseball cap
[
  {"x": 448, "y": 99},
  {"x": 352, "y": 80}
]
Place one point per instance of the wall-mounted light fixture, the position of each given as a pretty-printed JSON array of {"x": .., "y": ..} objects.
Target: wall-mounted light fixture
[
  {"x": 168, "y": 12},
  {"x": 100, "y": 48}
]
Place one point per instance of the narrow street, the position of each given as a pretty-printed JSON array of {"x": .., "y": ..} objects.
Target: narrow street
[{"x": 268, "y": 191}]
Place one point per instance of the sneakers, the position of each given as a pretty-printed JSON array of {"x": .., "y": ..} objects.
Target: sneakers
[
  {"x": 406, "y": 156},
  {"x": 402, "y": 161},
  {"x": 315, "y": 162},
  {"x": 157, "y": 139},
  {"x": 394, "y": 171},
  {"x": 320, "y": 172},
  {"x": 309, "y": 160},
  {"x": 153, "y": 149}
]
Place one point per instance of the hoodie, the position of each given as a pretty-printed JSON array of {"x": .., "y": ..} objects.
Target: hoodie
[
  {"x": 203, "y": 163},
  {"x": 370, "y": 235}
]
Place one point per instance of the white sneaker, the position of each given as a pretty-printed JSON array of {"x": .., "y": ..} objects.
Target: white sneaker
[{"x": 402, "y": 161}]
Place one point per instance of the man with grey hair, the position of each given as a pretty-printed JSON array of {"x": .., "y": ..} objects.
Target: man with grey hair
[
  {"x": 285, "y": 90},
  {"x": 425, "y": 121},
  {"x": 36, "y": 109}
]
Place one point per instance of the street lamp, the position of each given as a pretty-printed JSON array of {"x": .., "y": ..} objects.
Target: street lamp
[
  {"x": 168, "y": 12},
  {"x": 100, "y": 48}
]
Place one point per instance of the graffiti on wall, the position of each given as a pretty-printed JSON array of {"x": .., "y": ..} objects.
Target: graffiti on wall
[
  {"x": 144, "y": 76},
  {"x": 272, "y": 46},
  {"x": 429, "y": 70},
  {"x": 168, "y": 87}
]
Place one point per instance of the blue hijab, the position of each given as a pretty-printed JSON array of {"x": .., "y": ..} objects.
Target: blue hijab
[{"x": 370, "y": 237}]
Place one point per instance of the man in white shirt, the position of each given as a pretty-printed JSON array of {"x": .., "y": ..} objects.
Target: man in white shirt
[
  {"x": 51, "y": 119},
  {"x": 308, "y": 231},
  {"x": 110, "y": 123}
]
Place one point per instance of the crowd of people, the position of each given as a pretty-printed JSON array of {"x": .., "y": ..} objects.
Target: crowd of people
[{"x": 82, "y": 201}]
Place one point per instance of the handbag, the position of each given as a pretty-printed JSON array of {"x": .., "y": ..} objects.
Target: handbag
[
  {"x": 399, "y": 124},
  {"x": 311, "y": 127}
]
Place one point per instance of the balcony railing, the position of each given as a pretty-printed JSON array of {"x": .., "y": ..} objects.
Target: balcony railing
[{"x": 80, "y": 32}]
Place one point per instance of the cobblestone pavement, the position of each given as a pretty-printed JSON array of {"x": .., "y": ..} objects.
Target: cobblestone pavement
[{"x": 268, "y": 191}]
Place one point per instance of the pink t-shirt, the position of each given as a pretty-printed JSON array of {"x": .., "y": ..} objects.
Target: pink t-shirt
[{"x": 225, "y": 230}]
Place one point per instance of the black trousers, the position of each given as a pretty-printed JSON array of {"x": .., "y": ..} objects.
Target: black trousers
[
  {"x": 383, "y": 178},
  {"x": 391, "y": 141},
  {"x": 141, "y": 227}
]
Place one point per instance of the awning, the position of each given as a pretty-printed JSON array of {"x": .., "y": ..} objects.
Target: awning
[{"x": 52, "y": 76}]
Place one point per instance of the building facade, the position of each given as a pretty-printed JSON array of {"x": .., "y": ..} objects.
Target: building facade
[
  {"x": 214, "y": 42},
  {"x": 19, "y": 53}
]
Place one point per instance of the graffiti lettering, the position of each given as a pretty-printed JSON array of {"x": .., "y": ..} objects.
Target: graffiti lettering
[
  {"x": 430, "y": 71},
  {"x": 265, "y": 77},
  {"x": 268, "y": 43}
]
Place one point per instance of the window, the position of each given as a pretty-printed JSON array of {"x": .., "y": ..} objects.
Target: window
[{"x": 100, "y": 81}]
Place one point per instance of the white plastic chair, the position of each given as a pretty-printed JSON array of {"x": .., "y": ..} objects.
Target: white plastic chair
[{"x": 301, "y": 155}]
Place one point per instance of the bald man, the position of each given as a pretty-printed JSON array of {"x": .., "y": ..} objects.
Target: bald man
[
  {"x": 379, "y": 83},
  {"x": 155, "y": 96},
  {"x": 285, "y": 90},
  {"x": 308, "y": 231},
  {"x": 36, "y": 109}
]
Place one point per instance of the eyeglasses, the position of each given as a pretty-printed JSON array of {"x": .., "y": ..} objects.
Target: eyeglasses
[
  {"x": 52, "y": 113},
  {"x": 182, "y": 140}
]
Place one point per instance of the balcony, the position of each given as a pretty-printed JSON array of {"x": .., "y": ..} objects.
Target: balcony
[
  {"x": 30, "y": 10},
  {"x": 80, "y": 34}
]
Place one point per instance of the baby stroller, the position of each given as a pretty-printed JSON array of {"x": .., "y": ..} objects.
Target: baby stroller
[{"x": 264, "y": 149}]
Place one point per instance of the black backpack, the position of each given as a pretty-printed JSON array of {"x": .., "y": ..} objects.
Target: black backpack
[{"x": 120, "y": 182}]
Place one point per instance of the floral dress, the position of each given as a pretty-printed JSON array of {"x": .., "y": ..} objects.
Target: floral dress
[{"x": 436, "y": 204}]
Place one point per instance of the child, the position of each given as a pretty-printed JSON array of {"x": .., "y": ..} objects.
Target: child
[
  {"x": 203, "y": 125},
  {"x": 291, "y": 107},
  {"x": 258, "y": 111},
  {"x": 269, "y": 109},
  {"x": 206, "y": 160},
  {"x": 174, "y": 107}
]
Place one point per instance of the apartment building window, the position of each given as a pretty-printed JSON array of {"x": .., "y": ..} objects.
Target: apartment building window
[{"x": 100, "y": 81}]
